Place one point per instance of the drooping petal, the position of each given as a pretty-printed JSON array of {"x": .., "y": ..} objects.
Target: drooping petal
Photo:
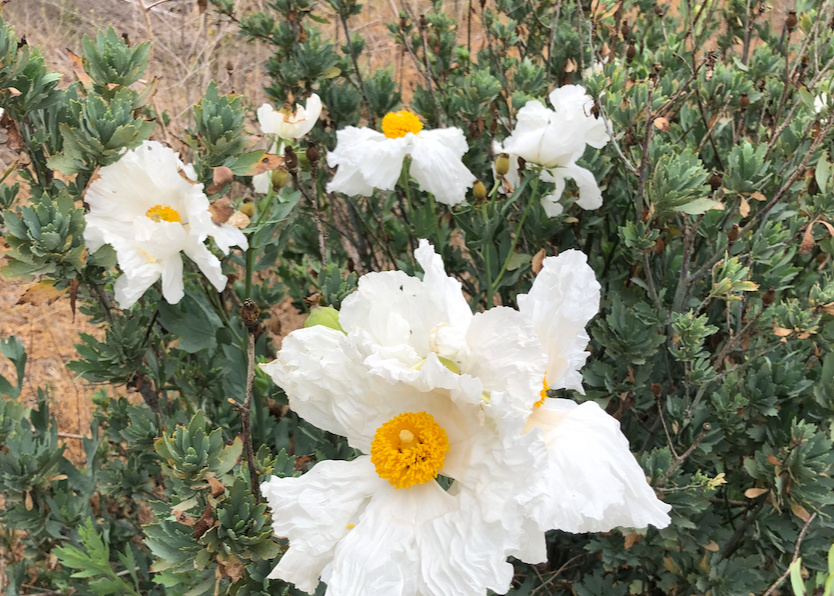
[
  {"x": 315, "y": 511},
  {"x": 262, "y": 182},
  {"x": 366, "y": 159},
  {"x": 543, "y": 138},
  {"x": 590, "y": 197},
  {"x": 143, "y": 274},
  {"x": 593, "y": 483},
  {"x": 208, "y": 264},
  {"x": 564, "y": 297},
  {"x": 173, "y": 288},
  {"x": 550, "y": 203},
  {"x": 270, "y": 119},
  {"x": 436, "y": 164},
  {"x": 304, "y": 122}
]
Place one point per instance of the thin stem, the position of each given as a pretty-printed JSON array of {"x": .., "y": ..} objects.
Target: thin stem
[
  {"x": 533, "y": 193},
  {"x": 795, "y": 554},
  {"x": 371, "y": 117},
  {"x": 246, "y": 414}
]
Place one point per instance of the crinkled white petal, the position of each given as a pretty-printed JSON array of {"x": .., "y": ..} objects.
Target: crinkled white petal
[
  {"x": 543, "y": 138},
  {"x": 208, "y": 264},
  {"x": 143, "y": 274},
  {"x": 366, "y": 159},
  {"x": 564, "y": 297},
  {"x": 290, "y": 126},
  {"x": 314, "y": 512},
  {"x": 506, "y": 355},
  {"x": 572, "y": 102},
  {"x": 436, "y": 164},
  {"x": 593, "y": 482}
]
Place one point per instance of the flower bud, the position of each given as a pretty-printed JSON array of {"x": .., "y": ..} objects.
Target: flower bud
[
  {"x": 248, "y": 207},
  {"x": 290, "y": 160},
  {"x": 732, "y": 234},
  {"x": 768, "y": 297},
  {"x": 502, "y": 164},
  {"x": 744, "y": 101},
  {"x": 250, "y": 312},
  {"x": 279, "y": 178},
  {"x": 312, "y": 154},
  {"x": 479, "y": 191},
  {"x": 791, "y": 21},
  {"x": 631, "y": 52},
  {"x": 715, "y": 180}
]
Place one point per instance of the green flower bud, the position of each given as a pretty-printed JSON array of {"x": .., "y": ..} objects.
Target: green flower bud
[
  {"x": 279, "y": 178},
  {"x": 502, "y": 164}
]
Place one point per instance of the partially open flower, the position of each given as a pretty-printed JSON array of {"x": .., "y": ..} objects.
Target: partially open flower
[
  {"x": 286, "y": 125},
  {"x": 556, "y": 139},
  {"x": 367, "y": 159},
  {"x": 149, "y": 212}
]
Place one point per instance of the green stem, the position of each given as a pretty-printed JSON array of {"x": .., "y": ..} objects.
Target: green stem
[
  {"x": 494, "y": 285},
  {"x": 250, "y": 266}
]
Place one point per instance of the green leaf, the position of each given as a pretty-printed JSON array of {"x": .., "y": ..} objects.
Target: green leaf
[
  {"x": 699, "y": 206},
  {"x": 327, "y": 316},
  {"x": 797, "y": 584},
  {"x": 193, "y": 321},
  {"x": 822, "y": 172},
  {"x": 229, "y": 457}
]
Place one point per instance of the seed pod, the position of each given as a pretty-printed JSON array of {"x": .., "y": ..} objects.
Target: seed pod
[
  {"x": 656, "y": 68},
  {"x": 631, "y": 52},
  {"x": 791, "y": 21},
  {"x": 279, "y": 178},
  {"x": 479, "y": 191},
  {"x": 658, "y": 10},
  {"x": 290, "y": 160},
  {"x": 744, "y": 101},
  {"x": 595, "y": 109},
  {"x": 625, "y": 30},
  {"x": 250, "y": 312},
  {"x": 229, "y": 66},
  {"x": 716, "y": 180},
  {"x": 656, "y": 389},
  {"x": 768, "y": 297},
  {"x": 248, "y": 207},
  {"x": 312, "y": 154},
  {"x": 732, "y": 233},
  {"x": 502, "y": 164}
]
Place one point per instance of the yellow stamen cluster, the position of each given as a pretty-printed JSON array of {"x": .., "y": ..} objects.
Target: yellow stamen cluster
[
  {"x": 399, "y": 124},
  {"x": 542, "y": 393},
  {"x": 409, "y": 449},
  {"x": 160, "y": 213}
]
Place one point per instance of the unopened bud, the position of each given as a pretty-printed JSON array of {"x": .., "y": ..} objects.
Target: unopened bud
[
  {"x": 658, "y": 10},
  {"x": 250, "y": 312},
  {"x": 768, "y": 297},
  {"x": 715, "y": 180},
  {"x": 290, "y": 160},
  {"x": 656, "y": 389},
  {"x": 631, "y": 52},
  {"x": 625, "y": 30},
  {"x": 732, "y": 233},
  {"x": 279, "y": 178},
  {"x": 479, "y": 191},
  {"x": 791, "y": 21},
  {"x": 248, "y": 207},
  {"x": 502, "y": 164},
  {"x": 312, "y": 154},
  {"x": 744, "y": 101}
]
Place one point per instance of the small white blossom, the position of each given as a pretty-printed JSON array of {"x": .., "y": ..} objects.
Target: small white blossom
[
  {"x": 146, "y": 207},
  {"x": 556, "y": 139},
  {"x": 367, "y": 159}
]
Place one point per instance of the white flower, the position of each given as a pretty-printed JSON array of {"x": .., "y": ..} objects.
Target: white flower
[
  {"x": 149, "y": 212},
  {"x": 821, "y": 102},
  {"x": 380, "y": 525},
  {"x": 595, "y": 69},
  {"x": 286, "y": 126},
  {"x": 593, "y": 483},
  {"x": 367, "y": 159},
  {"x": 556, "y": 138},
  {"x": 290, "y": 125},
  {"x": 422, "y": 333}
]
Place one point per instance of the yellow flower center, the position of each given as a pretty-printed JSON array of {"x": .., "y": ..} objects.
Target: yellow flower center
[
  {"x": 409, "y": 449},
  {"x": 399, "y": 124},
  {"x": 160, "y": 213},
  {"x": 542, "y": 393}
]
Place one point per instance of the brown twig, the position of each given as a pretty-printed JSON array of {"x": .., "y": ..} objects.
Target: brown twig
[
  {"x": 679, "y": 459},
  {"x": 782, "y": 577},
  {"x": 249, "y": 312}
]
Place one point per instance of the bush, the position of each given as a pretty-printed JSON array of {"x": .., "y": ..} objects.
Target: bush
[{"x": 713, "y": 246}]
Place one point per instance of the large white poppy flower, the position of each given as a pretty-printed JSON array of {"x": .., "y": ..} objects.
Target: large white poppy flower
[
  {"x": 381, "y": 524},
  {"x": 593, "y": 483},
  {"x": 422, "y": 332},
  {"x": 367, "y": 159},
  {"x": 146, "y": 208},
  {"x": 285, "y": 125},
  {"x": 555, "y": 139}
]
